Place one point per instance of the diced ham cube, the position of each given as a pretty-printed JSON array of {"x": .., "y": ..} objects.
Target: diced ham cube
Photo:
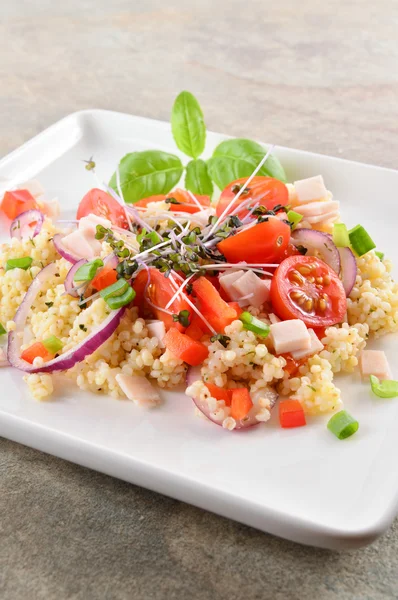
[
  {"x": 34, "y": 187},
  {"x": 310, "y": 189},
  {"x": 248, "y": 284},
  {"x": 374, "y": 362},
  {"x": 227, "y": 281},
  {"x": 138, "y": 389},
  {"x": 316, "y": 346},
  {"x": 158, "y": 330},
  {"x": 316, "y": 209},
  {"x": 273, "y": 318},
  {"x": 288, "y": 336},
  {"x": 77, "y": 243},
  {"x": 328, "y": 217}
]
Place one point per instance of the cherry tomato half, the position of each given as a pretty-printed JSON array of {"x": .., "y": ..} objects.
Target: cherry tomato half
[
  {"x": 306, "y": 288},
  {"x": 266, "y": 190},
  {"x": 263, "y": 243},
  {"x": 158, "y": 292},
  {"x": 100, "y": 203},
  {"x": 184, "y": 199},
  {"x": 16, "y": 202}
]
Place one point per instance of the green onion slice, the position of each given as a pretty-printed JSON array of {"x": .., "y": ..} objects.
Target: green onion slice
[
  {"x": 53, "y": 344},
  {"x": 343, "y": 425},
  {"x": 294, "y": 218},
  {"x": 384, "y": 389},
  {"x": 380, "y": 255},
  {"x": 253, "y": 324},
  {"x": 115, "y": 302},
  {"x": 360, "y": 240},
  {"x": 2, "y": 329},
  {"x": 341, "y": 238},
  {"x": 88, "y": 271},
  {"x": 116, "y": 289},
  {"x": 19, "y": 263}
]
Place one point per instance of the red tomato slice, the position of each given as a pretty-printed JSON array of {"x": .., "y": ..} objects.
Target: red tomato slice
[
  {"x": 100, "y": 203},
  {"x": 186, "y": 204},
  {"x": 266, "y": 190},
  {"x": 159, "y": 292},
  {"x": 263, "y": 243},
  {"x": 17, "y": 202},
  {"x": 306, "y": 288}
]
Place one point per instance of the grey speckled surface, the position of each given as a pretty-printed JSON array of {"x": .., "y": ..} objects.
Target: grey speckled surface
[{"x": 319, "y": 76}]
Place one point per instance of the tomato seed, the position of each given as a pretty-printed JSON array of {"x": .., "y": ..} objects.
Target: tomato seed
[
  {"x": 322, "y": 305},
  {"x": 304, "y": 270}
]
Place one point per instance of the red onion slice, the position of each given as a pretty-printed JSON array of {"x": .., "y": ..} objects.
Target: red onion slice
[
  {"x": 349, "y": 269},
  {"x": 194, "y": 374},
  {"x": 66, "y": 254},
  {"x": 111, "y": 261},
  {"x": 29, "y": 222},
  {"x": 67, "y": 360},
  {"x": 70, "y": 287},
  {"x": 318, "y": 244}
]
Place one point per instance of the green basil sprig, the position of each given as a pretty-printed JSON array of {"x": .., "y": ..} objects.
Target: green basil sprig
[{"x": 153, "y": 172}]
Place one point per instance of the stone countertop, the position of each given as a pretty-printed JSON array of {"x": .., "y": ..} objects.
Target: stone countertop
[{"x": 311, "y": 75}]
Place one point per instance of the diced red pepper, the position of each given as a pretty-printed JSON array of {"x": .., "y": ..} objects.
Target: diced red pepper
[
  {"x": 185, "y": 348},
  {"x": 241, "y": 403},
  {"x": 16, "y": 202},
  {"x": 104, "y": 278},
  {"x": 214, "y": 308},
  {"x": 291, "y": 414},
  {"x": 35, "y": 350},
  {"x": 220, "y": 393}
]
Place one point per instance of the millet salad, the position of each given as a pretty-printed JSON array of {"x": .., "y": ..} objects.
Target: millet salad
[{"x": 262, "y": 293}]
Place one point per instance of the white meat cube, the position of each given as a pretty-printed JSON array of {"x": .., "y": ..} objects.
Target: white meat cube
[
  {"x": 34, "y": 187},
  {"x": 138, "y": 389},
  {"x": 248, "y": 284},
  {"x": 316, "y": 346},
  {"x": 227, "y": 281},
  {"x": 315, "y": 209},
  {"x": 310, "y": 189},
  {"x": 79, "y": 245},
  {"x": 374, "y": 362},
  {"x": 330, "y": 216},
  {"x": 157, "y": 329},
  {"x": 288, "y": 336}
]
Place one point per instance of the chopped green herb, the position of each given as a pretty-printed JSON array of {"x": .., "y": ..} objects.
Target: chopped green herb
[
  {"x": 82, "y": 327},
  {"x": 172, "y": 201},
  {"x": 302, "y": 249},
  {"x": 182, "y": 318},
  {"x": 343, "y": 425},
  {"x": 2, "y": 330},
  {"x": 19, "y": 263},
  {"x": 253, "y": 324},
  {"x": 223, "y": 339},
  {"x": 49, "y": 304},
  {"x": 384, "y": 389},
  {"x": 53, "y": 344},
  {"x": 88, "y": 271},
  {"x": 360, "y": 240}
]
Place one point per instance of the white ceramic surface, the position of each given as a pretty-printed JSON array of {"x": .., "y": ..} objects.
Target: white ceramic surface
[{"x": 301, "y": 484}]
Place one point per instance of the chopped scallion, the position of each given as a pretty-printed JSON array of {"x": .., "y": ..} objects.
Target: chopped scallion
[
  {"x": 360, "y": 240},
  {"x": 294, "y": 218},
  {"x": 19, "y": 263},
  {"x": 380, "y": 255},
  {"x": 88, "y": 271},
  {"x": 384, "y": 389},
  {"x": 115, "y": 302},
  {"x": 342, "y": 425},
  {"x": 340, "y": 235},
  {"x": 253, "y": 324},
  {"x": 53, "y": 344},
  {"x": 116, "y": 289},
  {"x": 2, "y": 330}
]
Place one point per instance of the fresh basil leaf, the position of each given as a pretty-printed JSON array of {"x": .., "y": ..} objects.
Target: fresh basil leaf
[
  {"x": 187, "y": 125},
  {"x": 147, "y": 173},
  {"x": 197, "y": 178},
  {"x": 238, "y": 158}
]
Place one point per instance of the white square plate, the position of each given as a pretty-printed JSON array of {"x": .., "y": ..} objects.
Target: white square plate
[{"x": 301, "y": 484}]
